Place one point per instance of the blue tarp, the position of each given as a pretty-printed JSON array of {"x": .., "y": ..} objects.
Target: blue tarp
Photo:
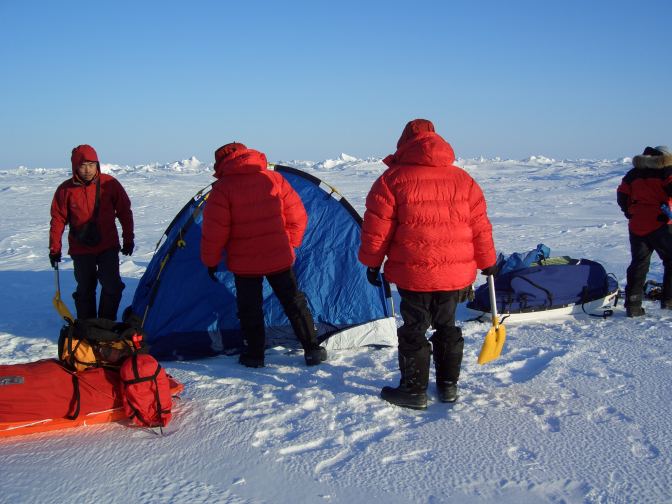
[{"x": 188, "y": 315}]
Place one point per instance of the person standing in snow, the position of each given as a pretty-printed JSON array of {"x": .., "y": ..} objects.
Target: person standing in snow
[
  {"x": 429, "y": 218},
  {"x": 89, "y": 202},
  {"x": 641, "y": 194},
  {"x": 255, "y": 219}
]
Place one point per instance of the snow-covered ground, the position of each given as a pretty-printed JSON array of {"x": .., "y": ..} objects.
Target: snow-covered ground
[{"x": 575, "y": 410}]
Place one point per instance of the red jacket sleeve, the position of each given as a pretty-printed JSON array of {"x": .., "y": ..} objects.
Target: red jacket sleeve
[
  {"x": 216, "y": 227},
  {"x": 484, "y": 247},
  {"x": 59, "y": 217},
  {"x": 122, "y": 208},
  {"x": 294, "y": 214},
  {"x": 380, "y": 222}
]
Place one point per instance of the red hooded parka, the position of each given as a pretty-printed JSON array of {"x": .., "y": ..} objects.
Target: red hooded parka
[
  {"x": 644, "y": 189},
  {"x": 74, "y": 202},
  {"x": 253, "y": 215},
  {"x": 427, "y": 216}
]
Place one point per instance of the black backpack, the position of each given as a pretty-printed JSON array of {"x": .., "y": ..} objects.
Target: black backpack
[{"x": 99, "y": 343}]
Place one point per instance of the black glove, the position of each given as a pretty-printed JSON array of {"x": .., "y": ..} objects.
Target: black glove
[
  {"x": 211, "y": 273},
  {"x": 662, "y": 218},
  {"x": 128, "y": 247},
  {"x": 373, "y": 276},
  {"x": 54, "y": 259},
  {"x": 490, "y": 270}
]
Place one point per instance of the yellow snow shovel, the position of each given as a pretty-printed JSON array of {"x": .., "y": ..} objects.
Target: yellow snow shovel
[
  {"x": 60, "y": 306},
  {"x": 494, "y": 340}
]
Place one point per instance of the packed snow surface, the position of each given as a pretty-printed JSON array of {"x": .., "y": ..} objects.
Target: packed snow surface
[{"x": 575, "y": 410}]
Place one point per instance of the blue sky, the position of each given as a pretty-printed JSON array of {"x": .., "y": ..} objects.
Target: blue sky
[{"x": 153, "y": 81}]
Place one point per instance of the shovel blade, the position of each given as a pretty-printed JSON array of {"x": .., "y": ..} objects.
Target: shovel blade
[
  {"x": 62, "y": 309},
  {"x": 501, "y": 338},
  {"x": 493, "y": 344}
]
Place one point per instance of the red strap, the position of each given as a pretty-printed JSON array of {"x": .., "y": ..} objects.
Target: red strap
[{"x": 137, "y": 340}]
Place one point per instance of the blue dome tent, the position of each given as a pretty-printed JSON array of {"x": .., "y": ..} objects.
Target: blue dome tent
[{"x": 187, "y": 315}]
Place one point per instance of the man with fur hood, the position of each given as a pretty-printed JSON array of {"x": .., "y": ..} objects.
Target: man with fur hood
[
  {"x": 429, "y": 218},
  {"x": 89, "y": 202},
  {"x": 255, "y": 219},
  {"x": 643, "y": 192}
]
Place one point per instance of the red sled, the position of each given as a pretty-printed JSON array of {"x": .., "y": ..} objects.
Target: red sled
[{"x": 43, "y": 396}]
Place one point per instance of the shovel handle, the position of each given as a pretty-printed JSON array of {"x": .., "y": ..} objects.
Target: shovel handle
[
  {"x": 493, "y": 300},
  {"x": 58, "y": 280}
]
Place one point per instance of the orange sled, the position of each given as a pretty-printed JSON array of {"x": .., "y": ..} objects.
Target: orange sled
[{"x": 39, "y": 397}]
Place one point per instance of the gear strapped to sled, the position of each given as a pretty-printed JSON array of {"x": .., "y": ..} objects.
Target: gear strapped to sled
[
  {"x": 551, "y": 286},
  {"x": 103, "y": 374},
  {"x": 42, "y": 396}
]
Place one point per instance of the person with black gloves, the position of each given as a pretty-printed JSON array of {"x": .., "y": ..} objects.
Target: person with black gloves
[
  {"x": 373, "y": 276},
  {"x": 127, "y": 248},
  {"x": 256, "y": 219},
  {"x": 645, "y": 198},
  {"x": 89, "y": 203},
  {"x": 428, "y": 217},
  {"x": 490, "y": 270},
  {"x": 54, "y": 259}
]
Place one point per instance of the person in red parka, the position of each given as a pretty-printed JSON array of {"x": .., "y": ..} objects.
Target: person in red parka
[
  {"x": 255, "y": 219},
  {"x": 429, "y": 218},
  {"x": 89, "y": 202},
  {"x": 641, "y": 195}
]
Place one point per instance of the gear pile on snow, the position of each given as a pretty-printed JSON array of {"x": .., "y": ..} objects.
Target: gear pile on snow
[
  {"x": 98, "y": 343},
  {"x": 533, "y": 285},
  {"x": 103, "y": 375}
]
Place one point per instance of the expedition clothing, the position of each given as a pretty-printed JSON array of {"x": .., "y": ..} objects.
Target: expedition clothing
[
  {"x": 643, "y": 190},
  {"x": 420, "y": 310},
  {"x": 640, "y": 195},
  {"x": 89, "y": 270},
  {"x": 249, "y": 301},
  {"x": 641, "y": 250},
  {"x": 73, "y": 204},
  {"x": 253, "y": 216},
  {"x": 428, "y": 217},
  {"x": 255, "y": 219}
]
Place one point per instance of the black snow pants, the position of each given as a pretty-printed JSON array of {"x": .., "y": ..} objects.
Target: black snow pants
[
  {"x": 249, "y": 300},
  {"x": 641, "y": 248},
  {"x": 91, "y": 269},
  {"x": 420, "y": 310}
]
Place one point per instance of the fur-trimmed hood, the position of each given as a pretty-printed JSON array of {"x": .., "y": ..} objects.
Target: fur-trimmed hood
[
  {"x": 657, "y": 158},
  {"x": 652, "y": 161}
]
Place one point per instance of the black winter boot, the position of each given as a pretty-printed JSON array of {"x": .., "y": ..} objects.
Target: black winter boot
[
  {"x": 633, "y": 305},
  {"x": 447, "y": 391},
  {"x": 315, "y": 356},
  {"x": 448, "y": 347},
  {"x": 251, "y": 361},
  {"x": 635, "y": 311},
  {"x": 306, "y": 333},
  {"x": 412, "y": 389},
  {"x": 254, "y": 346}
]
